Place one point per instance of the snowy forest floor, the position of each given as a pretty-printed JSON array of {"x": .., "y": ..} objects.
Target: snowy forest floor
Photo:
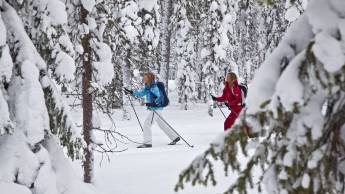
[{"x": 155, "y": 170}]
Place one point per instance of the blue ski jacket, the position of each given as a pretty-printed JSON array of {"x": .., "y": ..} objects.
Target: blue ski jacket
[{"x": 152, "y": 95}]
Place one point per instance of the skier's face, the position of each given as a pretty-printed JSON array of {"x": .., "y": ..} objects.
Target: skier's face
[
  {"x": 229, "y": 78},
  {"x": 146, "y": 80}
]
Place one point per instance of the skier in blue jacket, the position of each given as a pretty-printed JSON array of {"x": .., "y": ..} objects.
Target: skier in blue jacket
[{"x": 153, "y": 98}]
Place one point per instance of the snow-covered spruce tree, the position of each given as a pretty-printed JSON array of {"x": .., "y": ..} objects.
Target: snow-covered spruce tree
[
  {"x": 138, "y": 30},
  {"x": 272, "y": 26},
  {"x": 213, "y": 51},
  {"x": 32, "y": 160},
  {"x": 112, "y": 98},
  {"x": 120, "y": 34},
  {"x": 246, "y": 45},
  {"x": 126, "y": 36},
  {"x": 134, "y": 35},
  {"x": 6, "y": 66},
  {"x": 185, "y": 57},
  {"x": 148, "y": 36},
  {"x": 87, "y": 20},
  {"x": 257, "y": 28},
  {"x": 249, "y": 27},
  {"x": 303, "y": 149},
  {"x": 45, "y": 23},
  {"x": 194, "y": 15}
]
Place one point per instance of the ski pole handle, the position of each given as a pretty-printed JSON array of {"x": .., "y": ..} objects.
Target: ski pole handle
[{"x": 128, "y": 91}]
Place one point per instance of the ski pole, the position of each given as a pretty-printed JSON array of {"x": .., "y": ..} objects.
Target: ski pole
[
  {"x": 220, "y": 110},
  {"x": 135, "y": 112},
  {"x": 173, "y": 129}
]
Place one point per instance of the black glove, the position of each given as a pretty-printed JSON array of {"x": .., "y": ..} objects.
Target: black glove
[
  {"x": 151, "y": 104},
  {"x": 214, "y": 98},
  {"x": 128, "y": 91}
]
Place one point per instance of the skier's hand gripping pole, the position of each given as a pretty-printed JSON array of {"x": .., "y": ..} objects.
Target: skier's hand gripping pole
[
  {"x": 214, "y": 99},
  {"x": 130, "y": 92}
]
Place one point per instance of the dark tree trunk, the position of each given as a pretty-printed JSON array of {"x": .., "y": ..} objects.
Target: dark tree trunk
[
  {"x": 167, "y": 11},
  {"x": 87, "y": 100}
]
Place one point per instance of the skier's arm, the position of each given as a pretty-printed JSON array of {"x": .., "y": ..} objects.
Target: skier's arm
[
  {"x": 222, "y": 98},
  {"x": 237, "y": 100},
  {"x": 139, "y": 93}
]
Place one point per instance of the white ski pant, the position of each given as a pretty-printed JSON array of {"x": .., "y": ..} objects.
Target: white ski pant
[{"x": 151, "y": 117}]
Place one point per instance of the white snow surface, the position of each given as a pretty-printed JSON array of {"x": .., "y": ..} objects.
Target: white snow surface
[
  {"x": 14, "y": 25},
  {"x": 322, "y": 18},
  {"x": 17, "y": 157},
  {"x": 65, "y": 66},
  {"x": 2, "y": 32},
  {"x": 292, "y": 14},
  {"x": 12, "y": 188},
  {"x": 328, "y": 50},
  {"x": 131, "y": 32},
  {"x": 92, "y": 23},
  {"x": 148, "y": 4},
  {"x": 47, "y": 169},
  {"x": 156, "y": 170},
  {"x": 306, "y": 181},
  {"x": 288, "y": 82},
  {"x": 104, "y": 67},
  {"x": 6, "y": 64},
  {"x": 66, "y": 180},
  {"x": 88, "y": 4},
  {"x": 5, "y": 122},
  {"x": 67, "y": 44},
  {"x": 28, "y": 104},
  {"x": 57, "y": 12}
]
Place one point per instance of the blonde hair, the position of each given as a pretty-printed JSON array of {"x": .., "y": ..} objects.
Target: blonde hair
[
  {"x": 151, "y": 76},
  {"x": 233, "y": 75}
]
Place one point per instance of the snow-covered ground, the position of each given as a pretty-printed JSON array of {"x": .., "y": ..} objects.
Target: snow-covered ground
[{"x": 155, "y": 170}]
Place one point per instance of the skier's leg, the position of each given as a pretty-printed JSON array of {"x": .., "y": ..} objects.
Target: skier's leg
[
  {"x": 165, "y": 128},
  {"x": 230, "y": 120},
  {"x": 147, "y": 128}
]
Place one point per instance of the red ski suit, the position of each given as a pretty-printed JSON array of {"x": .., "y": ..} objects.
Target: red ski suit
[{"x": 233, "y": 98}]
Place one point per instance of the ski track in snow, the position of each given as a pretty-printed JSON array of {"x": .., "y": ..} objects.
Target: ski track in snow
[{"x": 155, "y": 170}]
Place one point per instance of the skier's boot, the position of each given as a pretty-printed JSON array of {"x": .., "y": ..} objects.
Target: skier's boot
[
  {"x": 145, "y": 145},
  {"x": 175, "y": 141}
]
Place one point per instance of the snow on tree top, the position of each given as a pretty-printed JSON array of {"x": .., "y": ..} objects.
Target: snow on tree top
[
  {"x": 147, "y": 4},
  {"x": 88, "y": 4}
]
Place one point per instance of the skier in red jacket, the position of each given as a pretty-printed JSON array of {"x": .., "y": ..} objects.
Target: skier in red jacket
[{"x": 232, "y": 98}]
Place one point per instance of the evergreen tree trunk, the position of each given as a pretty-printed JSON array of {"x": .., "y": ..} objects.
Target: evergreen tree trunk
[
  {"x": 87, "y": 100},
  {"x": 126, "y": 82},
  {"x": 166, "y": 31}
]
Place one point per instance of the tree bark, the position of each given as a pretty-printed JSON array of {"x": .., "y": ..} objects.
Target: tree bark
[
  {"x": 87, "y": 100},
  {"x": 167, "y": 11},
  {"x": 126, "y": 82}
]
